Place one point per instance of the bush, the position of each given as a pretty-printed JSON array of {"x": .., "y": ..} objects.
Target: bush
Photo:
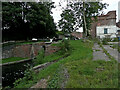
[
  {"x": 39, "y": 57},
  {"x": 115, "y": 40},
  {"x": 105, "y": 41},
  {"x": 90, "y": 37},
  {"x": 65, "y": 46},
  {"x": 28, "y": 75}
]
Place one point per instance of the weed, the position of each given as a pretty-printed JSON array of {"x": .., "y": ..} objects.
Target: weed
[
  {"x": 105, "y": 51},
  {"x": 28, "y": 76},
  {"x": 39, "y": 57},
  {"x": 115, "y": 40},
  {"x": 105, "y": 41}
]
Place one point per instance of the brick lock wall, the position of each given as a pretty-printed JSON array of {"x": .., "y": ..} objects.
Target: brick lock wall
[
  {"x": 51, "y": 49},
  {"x": 24, "y": 51},
  {"x": 21, "y": 50}
]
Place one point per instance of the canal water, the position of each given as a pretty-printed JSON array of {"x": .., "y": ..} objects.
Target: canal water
[{"x": 12, "y": 72}]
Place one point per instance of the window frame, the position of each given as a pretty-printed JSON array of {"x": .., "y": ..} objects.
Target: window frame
[{"x": 105, "y": 30}]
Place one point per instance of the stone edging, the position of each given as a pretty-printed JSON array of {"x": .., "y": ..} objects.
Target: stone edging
[
  {"x": 39, "y": 67},
  {"x": 15, "y": 62}
]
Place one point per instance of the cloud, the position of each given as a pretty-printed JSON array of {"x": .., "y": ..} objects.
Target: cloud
[{"x": 58, "y": 10}]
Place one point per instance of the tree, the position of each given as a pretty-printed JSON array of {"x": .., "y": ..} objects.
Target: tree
[
  {"x": 26, "y": 20},
  {"x": 82, "y": 14},
  {"x": 68, "y": 21}
]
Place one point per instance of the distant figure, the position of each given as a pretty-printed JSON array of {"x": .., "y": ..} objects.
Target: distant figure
[{"x": 44, "y": 47}]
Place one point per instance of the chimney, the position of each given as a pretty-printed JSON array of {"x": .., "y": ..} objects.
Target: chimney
[{"x": 119, "y": 11}]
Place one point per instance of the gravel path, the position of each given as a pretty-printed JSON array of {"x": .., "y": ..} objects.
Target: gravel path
[
  {"x": 65, "y": 76},
  {"x": 41, "y": 84},
  {"x": 98, "y": 53},
  {"x": 111, "y": 51}
]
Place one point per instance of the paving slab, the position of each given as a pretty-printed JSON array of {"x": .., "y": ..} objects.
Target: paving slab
[
  {"x": 113, "y": 52},
  {"x": 98, "y": 53}
]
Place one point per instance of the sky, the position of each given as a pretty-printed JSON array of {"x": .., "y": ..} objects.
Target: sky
[{"x": 113, "y": 5}]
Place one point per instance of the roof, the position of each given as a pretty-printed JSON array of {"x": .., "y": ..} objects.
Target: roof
[
  {"x": 106, "y": 19},
  {"x": 109, "y": 15}
]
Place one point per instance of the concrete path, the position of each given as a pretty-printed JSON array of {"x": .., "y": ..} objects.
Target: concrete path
[
  {"x": 111, "y": 51},
  {"x": 98, "y": 53}
]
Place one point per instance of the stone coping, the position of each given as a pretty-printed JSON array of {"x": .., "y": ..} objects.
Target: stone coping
[
  {"x": 48, "y": 63},
  {"x": 4, "y": 64}
]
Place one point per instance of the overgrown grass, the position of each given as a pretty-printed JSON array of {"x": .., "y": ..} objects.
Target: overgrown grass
[
  {"x": 105, "y": 51},
  {"x": 119, "y": 75},
  {"x": 40, "y": 59},
  {"x": 115, "y": 39},
  {"x": 12, "y": 59},
  {"x": 96, "y": 74},
  {"x": 83, "y": 71},
  {"x": 64, "y": 51},
  {"x": 53, "y": 56},
  {"x": 116, "y": 46},
  {"x": 57, "y": 44}
]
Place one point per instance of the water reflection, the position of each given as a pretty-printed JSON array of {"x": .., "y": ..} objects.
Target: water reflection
[{"x": 12, "y": 72}]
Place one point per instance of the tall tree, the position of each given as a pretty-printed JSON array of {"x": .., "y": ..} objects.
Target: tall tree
[
  {"x": 68, "y": 21},
  {"x": 83, "y": 13},
  {"x": 23, "y": 20}
]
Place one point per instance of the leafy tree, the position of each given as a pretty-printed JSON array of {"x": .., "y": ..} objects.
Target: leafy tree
[
  {"x": 82, "y": 13},
  {"x": 68, "y": 21},
  {"x": 26, "y": 20}
]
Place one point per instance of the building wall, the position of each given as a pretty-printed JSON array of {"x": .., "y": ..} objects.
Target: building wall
[
  {"x": 112, "y": 31},
  {"x": 77, "y": 34},
  {"x": 93, "y": 29},
  {"x": 104, "y": 20},
  {"x": 118, "y": 31}
]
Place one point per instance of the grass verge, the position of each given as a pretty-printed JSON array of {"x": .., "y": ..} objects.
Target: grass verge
[
  {"x": 12, "y": 59},
  {"x": 83, "y": 71}
]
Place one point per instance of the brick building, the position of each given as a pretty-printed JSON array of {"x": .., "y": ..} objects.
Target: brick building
[
  {"x": 77, "y": 35},
  {"x": 118, "y": 25},
  {"x": 104, "y": 26}
]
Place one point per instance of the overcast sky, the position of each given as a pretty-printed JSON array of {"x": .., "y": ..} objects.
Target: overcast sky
[{"x": 113, "y": 5}]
